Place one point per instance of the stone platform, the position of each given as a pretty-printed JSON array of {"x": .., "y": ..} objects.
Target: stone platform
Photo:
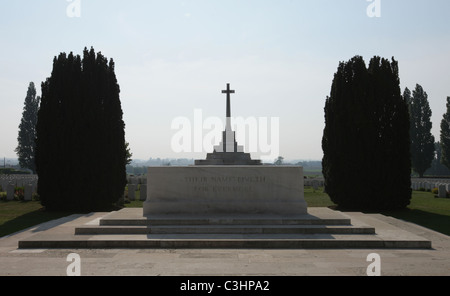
[{"x": 321, "y": 228}]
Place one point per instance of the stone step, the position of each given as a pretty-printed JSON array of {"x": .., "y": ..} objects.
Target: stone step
[
  {"x": 208, "y": 221},
  {"x": 322, "y": 241},
  {"x": 225, "y": 229},
  {"x": 278, "y": 233}
]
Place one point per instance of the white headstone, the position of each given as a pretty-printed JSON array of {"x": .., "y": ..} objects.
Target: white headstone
[
  {"x": 131, "y": 191},
  {"x": 4, "y": 184},
  {"x": 315, "y": 184},
  {"x": 442, "y": 191},
  {"x": 143, "y": 193},
  {"x": 10, "y": 191},
  {"x": 28, "y": 194}
]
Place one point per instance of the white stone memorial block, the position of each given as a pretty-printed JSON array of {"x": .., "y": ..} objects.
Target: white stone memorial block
[{"x": 225, "y": 190}]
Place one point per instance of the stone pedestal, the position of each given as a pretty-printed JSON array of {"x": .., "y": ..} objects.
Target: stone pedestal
[
  {"x": 213, "y": 191},
  {"x": 228, "y": 158}
]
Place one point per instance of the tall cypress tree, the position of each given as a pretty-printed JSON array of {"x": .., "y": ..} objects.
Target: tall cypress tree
[
  {"x": 366, "y": 161},
  {"x": 445, "y": 136},
  {"x": 80, "y": 147},
  {"x": 422, "y": 141},
  {"x": 27, "y": 130}
]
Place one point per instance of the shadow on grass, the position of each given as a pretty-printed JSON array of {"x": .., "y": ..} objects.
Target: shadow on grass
[
  {"x": 436, "y": 222},
  {"x": 30, "y": 219},
  {"x": 433, "y": 221},
  {"x": 27, "y": 214}
]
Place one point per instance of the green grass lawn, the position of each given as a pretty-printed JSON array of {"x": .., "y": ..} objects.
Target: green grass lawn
[{"x": 425, "y": 210}]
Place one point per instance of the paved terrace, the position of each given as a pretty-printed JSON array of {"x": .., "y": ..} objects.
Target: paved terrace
[{"x": 224, "y": 262}]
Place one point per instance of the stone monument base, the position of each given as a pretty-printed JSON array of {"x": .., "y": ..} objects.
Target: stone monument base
[
  {"x": 321, "y": 228},
  {"x": 228, "y": 158},
  {"x": 225, "y": 191}
]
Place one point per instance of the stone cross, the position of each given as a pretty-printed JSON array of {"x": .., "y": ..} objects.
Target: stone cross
[{"x": 228, "y": 91}]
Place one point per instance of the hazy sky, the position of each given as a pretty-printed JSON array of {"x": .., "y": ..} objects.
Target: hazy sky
[{"x": 175, "y": 57}]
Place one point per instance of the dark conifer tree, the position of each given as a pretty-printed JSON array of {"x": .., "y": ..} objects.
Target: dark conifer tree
[
  {"x": 366, "y": 161},
  {"x": 445, "y": 137},
  {"x": 27, "y": 130},
  {"x": 422, "y": 141},
  {"x": 80, "y": 152}
]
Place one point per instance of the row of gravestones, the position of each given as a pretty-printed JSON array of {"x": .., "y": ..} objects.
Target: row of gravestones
[
  {"x": 137, "y": 180},
  {"x": 29, "y": 189},
  {"x": 17, "y": 180},
  {"x": 133, "y": 184},
  {"x": 132, "y": 188},
  {"x": 443, "y": 188},
  {"x": 315, "y": 183},
  {"x": 9, "y": 183}
]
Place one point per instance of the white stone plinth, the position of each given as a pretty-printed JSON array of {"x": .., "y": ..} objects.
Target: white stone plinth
[{"x": 225, "y": 190}]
